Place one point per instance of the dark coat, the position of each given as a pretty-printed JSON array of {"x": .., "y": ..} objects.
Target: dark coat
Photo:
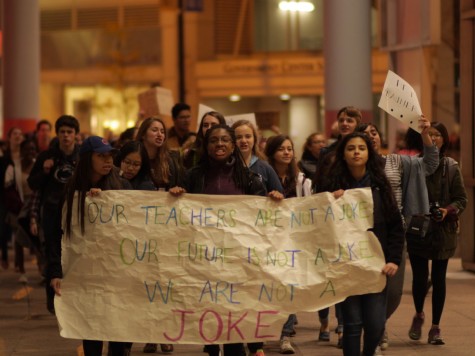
[
  {"x": 388, "y": 228},
  {"x": 308, "y": 165},
  {"x": 54, "y": 268},
  {"x": 51, "y": 185},
  {"x": 446, "y": 187}
]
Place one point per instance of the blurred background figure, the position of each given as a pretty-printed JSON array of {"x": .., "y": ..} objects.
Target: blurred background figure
[
  {"x": 413, "y": 145},
  {"x": 16, "y": 183},
  {"x": 192, "y": 153},
  {"x": 177, "y": 134},
  {"x": 42, "y": 135},
  {"x": 311, "y": 151},
  {"x": 126, "y": 136},
  {"x": 11, "y": 202}
]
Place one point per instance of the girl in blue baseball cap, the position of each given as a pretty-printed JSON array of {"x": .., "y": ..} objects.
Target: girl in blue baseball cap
[{"x": 95, "y": 172}]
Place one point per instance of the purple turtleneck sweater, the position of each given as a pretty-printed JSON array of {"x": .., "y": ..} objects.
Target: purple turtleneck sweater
[{"x": 219, "y": 180}]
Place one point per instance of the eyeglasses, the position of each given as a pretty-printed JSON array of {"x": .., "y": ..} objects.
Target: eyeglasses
[
  {"x": 435, "y": 135},
  {"x": 222, "y": 139},
  {"x": 135, "y": 164}
]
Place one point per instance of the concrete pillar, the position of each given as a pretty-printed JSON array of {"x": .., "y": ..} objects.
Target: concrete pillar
[
  {"x": 21, "y": 64},
  {"x": 303, "y": 121},
  {"x": 169, "y": 45},
  {"x": 347, "y": 54},
  {"x": 192, "y": 42}
]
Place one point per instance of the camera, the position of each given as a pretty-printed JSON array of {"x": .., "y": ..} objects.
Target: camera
[{"x": 434, "y": 211}]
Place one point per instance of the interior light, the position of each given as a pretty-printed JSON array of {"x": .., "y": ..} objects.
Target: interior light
[
  {"x": 300, "y": 6},
  {"x": 234, "y": 97},
  {"x": 284, "y": 97},
  {"x": 114, "y": 125}
]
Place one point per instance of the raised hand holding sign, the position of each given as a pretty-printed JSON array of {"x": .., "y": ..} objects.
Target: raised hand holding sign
[{"x": 400, "y": 101}]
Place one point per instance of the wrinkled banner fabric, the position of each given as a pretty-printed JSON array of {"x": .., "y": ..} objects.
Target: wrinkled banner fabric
[{"x": 212, "y": 269}]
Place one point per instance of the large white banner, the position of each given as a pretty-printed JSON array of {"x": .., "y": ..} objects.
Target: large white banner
[{"x": 212, "y": 269}]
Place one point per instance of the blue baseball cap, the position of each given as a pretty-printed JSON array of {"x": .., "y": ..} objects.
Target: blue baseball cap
[{"x": 96, "y": 144}]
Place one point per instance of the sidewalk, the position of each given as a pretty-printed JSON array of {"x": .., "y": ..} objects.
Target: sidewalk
[{"x": 26, "y": 328}]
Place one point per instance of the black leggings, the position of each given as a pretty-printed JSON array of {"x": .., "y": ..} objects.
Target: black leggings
[
  {"x": 94, "y": 348},
  {"x": 420, "y": 276},
  {"x": 5, "y": 233},
  {"x": 228, "y": 350}
]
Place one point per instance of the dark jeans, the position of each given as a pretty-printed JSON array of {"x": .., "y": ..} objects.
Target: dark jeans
[
  {"x": 49, "y": 221},
  {"x": 94, "y": 348},
  {"x": 254, "y": 346},
  {"x": 5, "y": 233},
  {"x": 366, "y": 312},
  {"x": 420, "y": 276},
  {"x": 288, "y": 327},
  {"x": 324, "y": 313}
]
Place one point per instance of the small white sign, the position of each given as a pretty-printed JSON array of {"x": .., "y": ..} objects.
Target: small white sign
[
  {"x": 251, "y": 117},
  {"x": 202, "y": 109},
  {"x": 400, "y": 101},
  {"x": 156, "y": 101}
]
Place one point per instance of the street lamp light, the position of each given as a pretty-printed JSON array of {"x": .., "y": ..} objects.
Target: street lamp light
[{"x": 296, "y": 6}]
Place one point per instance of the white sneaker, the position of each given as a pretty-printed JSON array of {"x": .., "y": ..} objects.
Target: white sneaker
[
  {"x": 384, "y": 341},
  {"x": 286, "y": 346},
  {"x": 378, "y": 352}
]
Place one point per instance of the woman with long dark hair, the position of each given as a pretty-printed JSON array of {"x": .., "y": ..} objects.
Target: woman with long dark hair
[
  {"x": 193, "y": 154},
  {"x": 281, "y": 156},
  {"x": 448, "y": 200},
  {"x": 221, "y": 171},
  {"x": 311, "y": 152},
  {"x": 165, "y": 172},
  {"x": 94, "y": 172},
  {"x": 134, "y": 165},
  {"x": 357, "y": 165},
  {"x": 407, "y": 176}
]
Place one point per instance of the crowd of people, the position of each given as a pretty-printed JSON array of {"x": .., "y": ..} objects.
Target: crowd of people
[{"x": 41, "y": 174}]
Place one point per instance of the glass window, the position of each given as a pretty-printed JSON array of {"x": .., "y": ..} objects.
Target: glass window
[
  {"x": 280, "y": 30},
  {"x": 283, "y": 30}
]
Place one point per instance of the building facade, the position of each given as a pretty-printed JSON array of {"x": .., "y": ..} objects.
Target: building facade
[
  {"x": 97, "y": 56},
  {"x": 247, "y": 56}
]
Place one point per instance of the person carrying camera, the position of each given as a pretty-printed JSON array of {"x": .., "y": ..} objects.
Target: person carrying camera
[{"x": 448, "y": 199}]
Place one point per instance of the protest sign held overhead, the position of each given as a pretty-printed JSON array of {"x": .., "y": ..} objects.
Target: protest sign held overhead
[{"x": 400, "y": 101}]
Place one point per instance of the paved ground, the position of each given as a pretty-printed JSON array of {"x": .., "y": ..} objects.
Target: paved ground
[{"x": 26, "y": 328}]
